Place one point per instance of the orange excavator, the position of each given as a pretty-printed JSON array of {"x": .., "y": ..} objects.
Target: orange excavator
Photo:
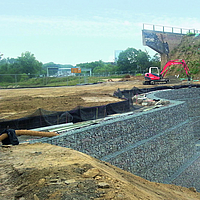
[{"x": 152, "y": 78}]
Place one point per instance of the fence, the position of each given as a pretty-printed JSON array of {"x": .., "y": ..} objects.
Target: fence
[
  {"x": 23, "y": 80},
  {"x": 169, "y": 29}
]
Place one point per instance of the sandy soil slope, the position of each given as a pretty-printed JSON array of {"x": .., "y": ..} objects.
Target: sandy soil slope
[{"x": 43, "y": 171}]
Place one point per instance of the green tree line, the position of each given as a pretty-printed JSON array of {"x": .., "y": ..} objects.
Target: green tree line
[
  {"x": 129, "y": 61},
  {"x": 27, "y": 66}
]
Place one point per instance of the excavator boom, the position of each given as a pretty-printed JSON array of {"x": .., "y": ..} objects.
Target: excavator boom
[{"x": 174, "y": 62}]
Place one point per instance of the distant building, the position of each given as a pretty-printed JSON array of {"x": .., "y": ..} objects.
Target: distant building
[{"x": 117, "y": 52}]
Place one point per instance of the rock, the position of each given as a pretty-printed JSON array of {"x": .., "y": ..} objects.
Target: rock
[
  {"x": 91, "y": 173},
  {"x": 120, "y": 196},
  {"x": 19, "y": 194},
  {"x": 144, "y": 104},
  {"x": 35, "y": 197},
  {"x": 70, "y": 181},
  {"x": 97, "y": 177},
  {"x": 103, "y": 185},
  {"x": 54, "y": 180},
  {"x": 21, "y": 186},
  {"x": 148, "y": 103},
  {"x": 162, "y": 102},
  {"x": 193, "y": 189},
  {"x": 139, "y": 101},
  {"x": 41, "y": 181}
]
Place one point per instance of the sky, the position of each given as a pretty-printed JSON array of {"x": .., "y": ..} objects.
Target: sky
[{"x": 80, "y": 31}]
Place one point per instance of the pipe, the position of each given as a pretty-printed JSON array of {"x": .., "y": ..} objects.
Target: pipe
[{"x": 35, "y": 133}]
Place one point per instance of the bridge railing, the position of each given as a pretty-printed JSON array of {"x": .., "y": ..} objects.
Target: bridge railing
[{"x": 168, "y": 29}]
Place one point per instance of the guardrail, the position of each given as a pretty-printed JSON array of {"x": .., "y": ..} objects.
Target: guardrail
[{"x": 168, "y": 29}]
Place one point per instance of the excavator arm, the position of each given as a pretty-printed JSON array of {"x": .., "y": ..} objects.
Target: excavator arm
[{"x": 175, "y": 62}]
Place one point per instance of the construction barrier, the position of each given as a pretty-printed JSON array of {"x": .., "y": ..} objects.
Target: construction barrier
[{"x": 43, "y": 118}]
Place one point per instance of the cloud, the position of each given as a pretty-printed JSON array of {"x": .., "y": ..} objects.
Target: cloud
[
  {"x": 111, "y": 25},
  {"x": 127, "y": 23},
  {"x": 96, "y": 26},
  {"x": 177, "y": 22}
]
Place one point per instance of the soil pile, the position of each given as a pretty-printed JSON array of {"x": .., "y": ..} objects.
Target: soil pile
[{"x": 44, "y": 172}]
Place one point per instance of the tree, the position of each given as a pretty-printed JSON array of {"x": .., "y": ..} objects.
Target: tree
[
  {"x": 98, "y": 67},
  {"x": 126, "y": 60},
  {"x": 27, "y": 64},
  {"x": 143, "y": 59},
  {"x": 155, "y": 60},
  {"x": 133, "y": 60},
  {"x": 1, "y": 55}
]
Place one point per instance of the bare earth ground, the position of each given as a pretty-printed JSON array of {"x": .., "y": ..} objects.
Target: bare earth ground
[
  {"x": 43, "y": 171},
  {"x": 17, "y": 103}
]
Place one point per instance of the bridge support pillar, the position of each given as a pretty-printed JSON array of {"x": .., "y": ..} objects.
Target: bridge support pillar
[{"x": 164, "y": 59}]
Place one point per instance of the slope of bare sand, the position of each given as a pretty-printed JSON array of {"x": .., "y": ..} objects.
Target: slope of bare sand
[{"x": 44, "y": 171}]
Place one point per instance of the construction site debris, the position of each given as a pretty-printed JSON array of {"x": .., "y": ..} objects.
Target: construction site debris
[{"x": 144, "y": 101}]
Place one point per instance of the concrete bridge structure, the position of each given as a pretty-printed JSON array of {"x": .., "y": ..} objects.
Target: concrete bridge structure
[{"x": 163, "y": 39}]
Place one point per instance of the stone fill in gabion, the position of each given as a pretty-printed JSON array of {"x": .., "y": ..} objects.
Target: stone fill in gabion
[{"x": 152, "y": 144}]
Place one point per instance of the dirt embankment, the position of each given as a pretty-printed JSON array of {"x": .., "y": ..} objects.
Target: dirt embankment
[
  {"x": 44, "y": 172},
  {"x": 17, "y": 103}
]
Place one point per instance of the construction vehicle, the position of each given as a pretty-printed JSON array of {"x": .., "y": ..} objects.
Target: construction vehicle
[{"x": 153, "y": 78}]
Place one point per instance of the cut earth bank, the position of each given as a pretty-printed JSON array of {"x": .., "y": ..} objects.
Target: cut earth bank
[{"x": 43, "y": 171}]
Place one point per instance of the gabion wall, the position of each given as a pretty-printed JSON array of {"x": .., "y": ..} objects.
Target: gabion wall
[
  {"x": 152, "y": 144},
  {"x": 192, "y": 98}
]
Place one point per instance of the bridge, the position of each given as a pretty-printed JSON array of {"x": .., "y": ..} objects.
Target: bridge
[{"x": 163, "y": 39}]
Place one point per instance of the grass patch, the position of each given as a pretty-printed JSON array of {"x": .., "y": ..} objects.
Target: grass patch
[{"x": 54, "y": 81}]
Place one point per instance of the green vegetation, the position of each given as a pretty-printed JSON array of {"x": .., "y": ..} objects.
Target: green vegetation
[
  {"x": 26, "y": 71},
  {"x": 188, "y": 50},
  {"x": 58, "y": 81},
  {"x": 190, "y": 34}
]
